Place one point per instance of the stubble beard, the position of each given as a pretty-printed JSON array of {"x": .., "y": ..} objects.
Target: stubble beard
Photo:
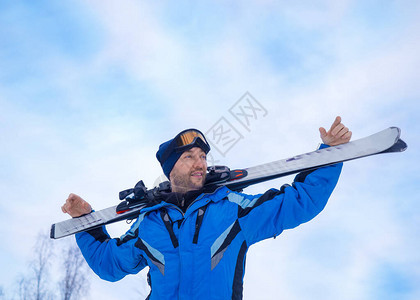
[{"x": 182, "y": 183}]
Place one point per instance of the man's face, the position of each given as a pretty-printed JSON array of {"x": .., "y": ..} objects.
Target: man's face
[{"x": 189, "y": 172}]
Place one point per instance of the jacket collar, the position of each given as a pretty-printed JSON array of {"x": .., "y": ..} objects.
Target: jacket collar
[{"x": 209, "y": 193}]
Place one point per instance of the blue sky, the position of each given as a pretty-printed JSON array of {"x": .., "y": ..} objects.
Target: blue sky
[{"x": 89, "y": 89}]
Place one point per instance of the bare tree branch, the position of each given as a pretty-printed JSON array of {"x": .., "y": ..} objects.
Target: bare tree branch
[
  {"x": 74, "y": 284},
  {"x": 35, "y": 285},
  {"x": 41, "y": 264}
]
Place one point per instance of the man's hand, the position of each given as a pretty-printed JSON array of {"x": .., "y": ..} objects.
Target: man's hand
[
  {"x": 337, "y": 135},
  {"x": 75, "y": 206}
]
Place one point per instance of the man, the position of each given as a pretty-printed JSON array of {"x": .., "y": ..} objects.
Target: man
[{"x": 195, "y": 238}]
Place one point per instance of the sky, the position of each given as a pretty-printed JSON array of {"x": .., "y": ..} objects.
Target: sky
[{"x": 89, "y": 89}]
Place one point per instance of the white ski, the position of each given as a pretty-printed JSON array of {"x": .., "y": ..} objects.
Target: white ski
[{"x": 386, "y": 141}]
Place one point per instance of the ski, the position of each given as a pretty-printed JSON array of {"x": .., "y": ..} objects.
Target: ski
[
  {"x": 134, "y": 200},
  {"x": 385, "y": 141}
]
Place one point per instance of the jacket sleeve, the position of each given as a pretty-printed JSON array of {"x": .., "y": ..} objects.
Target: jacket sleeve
[
  {"x": 267, "y": 215},
  {"x": 111, "y": 259}
]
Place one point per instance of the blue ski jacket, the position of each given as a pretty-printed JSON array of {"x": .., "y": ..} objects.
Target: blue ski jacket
[{"x": 200, "y": 254}]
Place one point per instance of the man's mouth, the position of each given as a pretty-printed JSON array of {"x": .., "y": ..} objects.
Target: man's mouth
[{"x": 197, "y": 174}]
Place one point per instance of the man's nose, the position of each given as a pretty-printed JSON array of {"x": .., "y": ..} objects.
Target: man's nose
[{"x": 199, "y": 162}]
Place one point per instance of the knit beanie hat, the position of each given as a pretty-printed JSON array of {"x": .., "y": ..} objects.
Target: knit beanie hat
[{"x": 170, "y": 151}]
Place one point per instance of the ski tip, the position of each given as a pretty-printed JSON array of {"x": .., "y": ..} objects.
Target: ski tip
[
  {"x": 396, "y": 129},
  {"x": 399, "y": 146},
  {"x": 402, "y": 145}
]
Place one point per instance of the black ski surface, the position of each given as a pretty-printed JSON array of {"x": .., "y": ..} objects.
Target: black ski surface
[{"x": 386, "y": 141}]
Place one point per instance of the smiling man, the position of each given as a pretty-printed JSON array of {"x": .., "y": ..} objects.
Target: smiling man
[
  {"x": 195, "y": 238},
  {"x": 189, "y": 172}
]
